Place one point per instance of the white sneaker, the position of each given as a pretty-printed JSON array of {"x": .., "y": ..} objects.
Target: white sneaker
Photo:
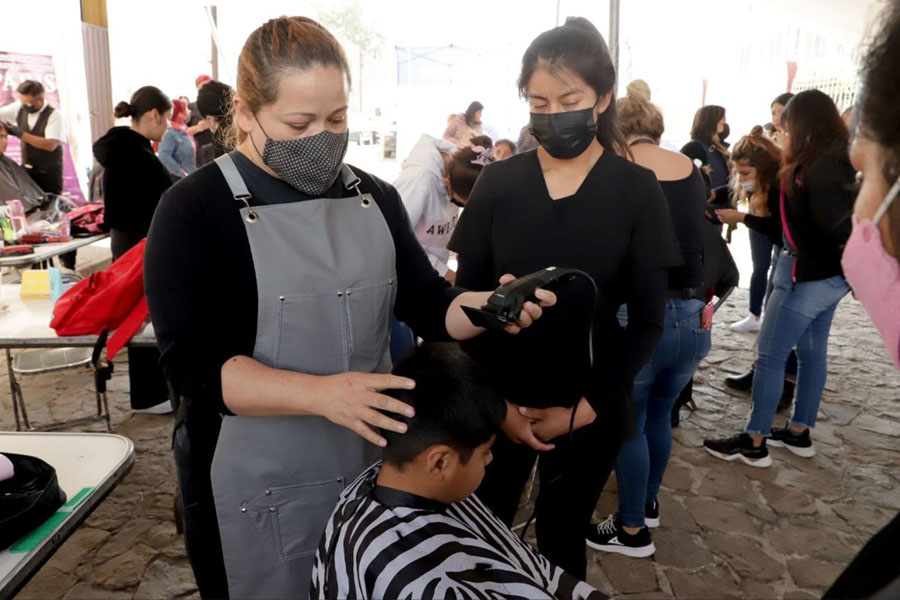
[
  {"x": 163, "y": 408},
  {"x": 749, "y": 324}
]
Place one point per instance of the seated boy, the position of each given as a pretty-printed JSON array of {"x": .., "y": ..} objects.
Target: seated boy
[{"x": 410, "y": 527}]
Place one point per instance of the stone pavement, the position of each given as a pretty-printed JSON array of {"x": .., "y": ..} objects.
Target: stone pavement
[{"x": 727, "y": 530}]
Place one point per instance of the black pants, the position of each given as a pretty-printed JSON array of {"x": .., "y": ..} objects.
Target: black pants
[
  {"x": 148, "y": 384},
  {"x": 194, "y": 444},
  {"x": 874, "y": 568},
  {"x": 572, "y": 475}
]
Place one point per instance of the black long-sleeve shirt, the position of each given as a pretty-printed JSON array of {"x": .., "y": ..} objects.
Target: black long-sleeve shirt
[
  {"x": 616, "y": 227},
  {"x": 769, "y": 226},
  {"x": 687, "y": 200},
  {"x": 201, "y": 283}
]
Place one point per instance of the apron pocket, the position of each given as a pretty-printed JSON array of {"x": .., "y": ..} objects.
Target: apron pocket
[
  {"x": 369, "y": 312},
  {"x": 301, "y": 323},
  {"x": 290, "y": 519}
]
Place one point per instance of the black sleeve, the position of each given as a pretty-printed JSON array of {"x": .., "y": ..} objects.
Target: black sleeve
[
  {"x": 687, "y": 217},
  {"x": 831, "y": 198},
  {"x": 653, "y": 249},
  {"x": 472, "y": 240},
  {"x": 176, "y": 259},
  {"x": 768, "y": 226},
  {"x": 694, "y": 150},
  {"x": 423, "y": 296}
]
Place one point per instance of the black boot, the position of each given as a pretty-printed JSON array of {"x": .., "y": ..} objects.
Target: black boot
[{"x": 743, "y": 383}]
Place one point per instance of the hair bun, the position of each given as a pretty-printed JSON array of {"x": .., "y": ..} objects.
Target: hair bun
[
  {"x": 124, "y": 109},
  {"x": 638, "y": 90},
  {"x": 757, "y": 131}
]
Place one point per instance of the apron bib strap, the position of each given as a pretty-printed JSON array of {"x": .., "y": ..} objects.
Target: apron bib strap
[{"x": 236, "y": 184}]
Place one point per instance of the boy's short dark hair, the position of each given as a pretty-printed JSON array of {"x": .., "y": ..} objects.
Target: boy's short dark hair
[{"x": 455, "y": 402}]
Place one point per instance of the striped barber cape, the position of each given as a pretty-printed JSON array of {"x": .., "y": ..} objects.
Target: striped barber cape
[{"x": 383, "y": 543}]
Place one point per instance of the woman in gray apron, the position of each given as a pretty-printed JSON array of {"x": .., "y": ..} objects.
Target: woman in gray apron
[{"x": 272, "y": 276}]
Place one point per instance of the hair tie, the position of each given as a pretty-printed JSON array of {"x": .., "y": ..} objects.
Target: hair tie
[{"x": 485, "y": 155}]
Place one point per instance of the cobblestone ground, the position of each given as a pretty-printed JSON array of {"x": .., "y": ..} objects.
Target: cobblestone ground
[{"x": 727, "y": 530}]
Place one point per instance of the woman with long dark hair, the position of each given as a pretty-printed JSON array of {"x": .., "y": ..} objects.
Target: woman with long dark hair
[
  {"x": 708, "y": 145},
  {"x": 574, "y": 202},
  {"x": 463, "y": 127},
  {"x": 815, "y": 201},
  {"x": 777, "y": 107}
]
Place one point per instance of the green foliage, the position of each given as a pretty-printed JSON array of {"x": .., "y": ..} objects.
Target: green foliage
[{"x": 346, "y": 20}]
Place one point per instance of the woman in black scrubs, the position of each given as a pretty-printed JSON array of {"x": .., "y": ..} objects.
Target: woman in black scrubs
[
  {"x": 271, "y": 276},
  {"x": 574, "y": 202}
]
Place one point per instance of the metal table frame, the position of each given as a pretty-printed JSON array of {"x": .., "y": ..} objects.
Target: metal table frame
[{"x": 15, "y": 388}]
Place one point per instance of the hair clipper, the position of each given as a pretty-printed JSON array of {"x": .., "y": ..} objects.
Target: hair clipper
[{"x": 505, "y": 304}]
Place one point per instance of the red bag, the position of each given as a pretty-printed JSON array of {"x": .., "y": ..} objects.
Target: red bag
[
  {"x": 108, "y": 300},
  {"x": 87, "y": 219}
]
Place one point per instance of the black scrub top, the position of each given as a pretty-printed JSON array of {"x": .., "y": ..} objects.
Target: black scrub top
[{"x": 617, "y": 228}]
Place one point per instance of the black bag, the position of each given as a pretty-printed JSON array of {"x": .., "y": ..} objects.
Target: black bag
[{"x": 28, "y": 499}]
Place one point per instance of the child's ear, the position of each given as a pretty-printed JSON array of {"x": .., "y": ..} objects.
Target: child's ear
[{"x": 439, "y": 460}]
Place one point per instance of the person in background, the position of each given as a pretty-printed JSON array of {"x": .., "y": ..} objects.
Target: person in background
[
  {"x": 576, "y": 203},
  {"x": 639, "y": 89},
  {"x": 503, "y": 149},
  {"x": 42, "y": 131},
  {"x": 815, "y": 200},
  {"x": 708, "y": 145},
  {"x": 196, "y": 124},
  {"x": 871, "y": 264},
  {"x": 464, "y": 126},
  {"x": 685, "y": 341},
  {"x": 757, "y": 161},
  {"x": 133, "y": 181},
  {"x": 776, "y": 127},
  {"x": 434, "y": 183},
  {"x": 178, "y": 151},
  {"x": 15, "y": 184},
  {"x": 436, "y": 537},
  {"x": 526, "y": 141},
  {"x": 213, "y": 104}
]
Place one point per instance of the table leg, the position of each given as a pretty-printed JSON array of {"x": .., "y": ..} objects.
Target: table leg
[{"x": 12, "y": 389}]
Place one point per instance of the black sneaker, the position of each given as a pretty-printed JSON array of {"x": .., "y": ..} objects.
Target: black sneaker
[
  {"x": 651, "y": 514},
  {"x": 742, "y": 382},
  {"x": 739, "y": 447},
  {"x": 609, "y": 536},
  {"x": 801, "y": 445}
]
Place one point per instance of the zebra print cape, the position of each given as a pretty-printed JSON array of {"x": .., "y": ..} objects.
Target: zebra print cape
[{"x": 371, "y": 549}]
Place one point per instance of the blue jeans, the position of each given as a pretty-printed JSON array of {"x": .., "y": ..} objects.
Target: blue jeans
[
  {"x": 798, "y": 314},
  {"x": 642, "y": 461},
  {"x": 761, "y": 254}
]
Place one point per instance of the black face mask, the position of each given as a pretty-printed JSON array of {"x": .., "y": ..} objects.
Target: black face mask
[
  {"x": 724, "y": 133},
  {"x": 564, "y": 134}
]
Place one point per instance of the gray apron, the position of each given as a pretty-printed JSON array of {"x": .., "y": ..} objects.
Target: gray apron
[{"x": 325, "y": 275}]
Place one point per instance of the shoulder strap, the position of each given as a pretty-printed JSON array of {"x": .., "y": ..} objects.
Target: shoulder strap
[{"x": 233, "y": 179}]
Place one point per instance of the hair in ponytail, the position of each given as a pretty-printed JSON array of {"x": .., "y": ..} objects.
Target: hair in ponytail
[
  {"x": 637, "y": 115},
  {"x": 466, "y": 165},
  {"x": 143, "y": 101}
]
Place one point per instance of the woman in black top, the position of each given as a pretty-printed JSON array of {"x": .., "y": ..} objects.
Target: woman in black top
[
  {"x": 685, "y": 341},
  {"x": 271, "y": 277},
  {"x": 815, "y": 201},
  {"x": 133, "y": 181},
  {"x": 134, "y": 178},
  {"x": 708, "y": 134},
  {"x": 574, "y": 202}
]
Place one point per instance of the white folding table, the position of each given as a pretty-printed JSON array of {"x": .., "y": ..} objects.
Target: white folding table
[
  {"x": 44, "y": 252},
  {"x": 88, "y": 466}
]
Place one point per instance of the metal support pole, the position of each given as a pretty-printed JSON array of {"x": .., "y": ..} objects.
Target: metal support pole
[
  {"x": 214, "y": 55},
  {"x": 614, "y": 38}
]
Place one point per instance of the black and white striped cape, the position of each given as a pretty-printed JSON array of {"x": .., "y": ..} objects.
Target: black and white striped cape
[{"x": 370, "y": 550}]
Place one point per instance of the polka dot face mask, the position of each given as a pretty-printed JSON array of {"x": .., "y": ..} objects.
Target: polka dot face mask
[{"x": 308, "y": 164}]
